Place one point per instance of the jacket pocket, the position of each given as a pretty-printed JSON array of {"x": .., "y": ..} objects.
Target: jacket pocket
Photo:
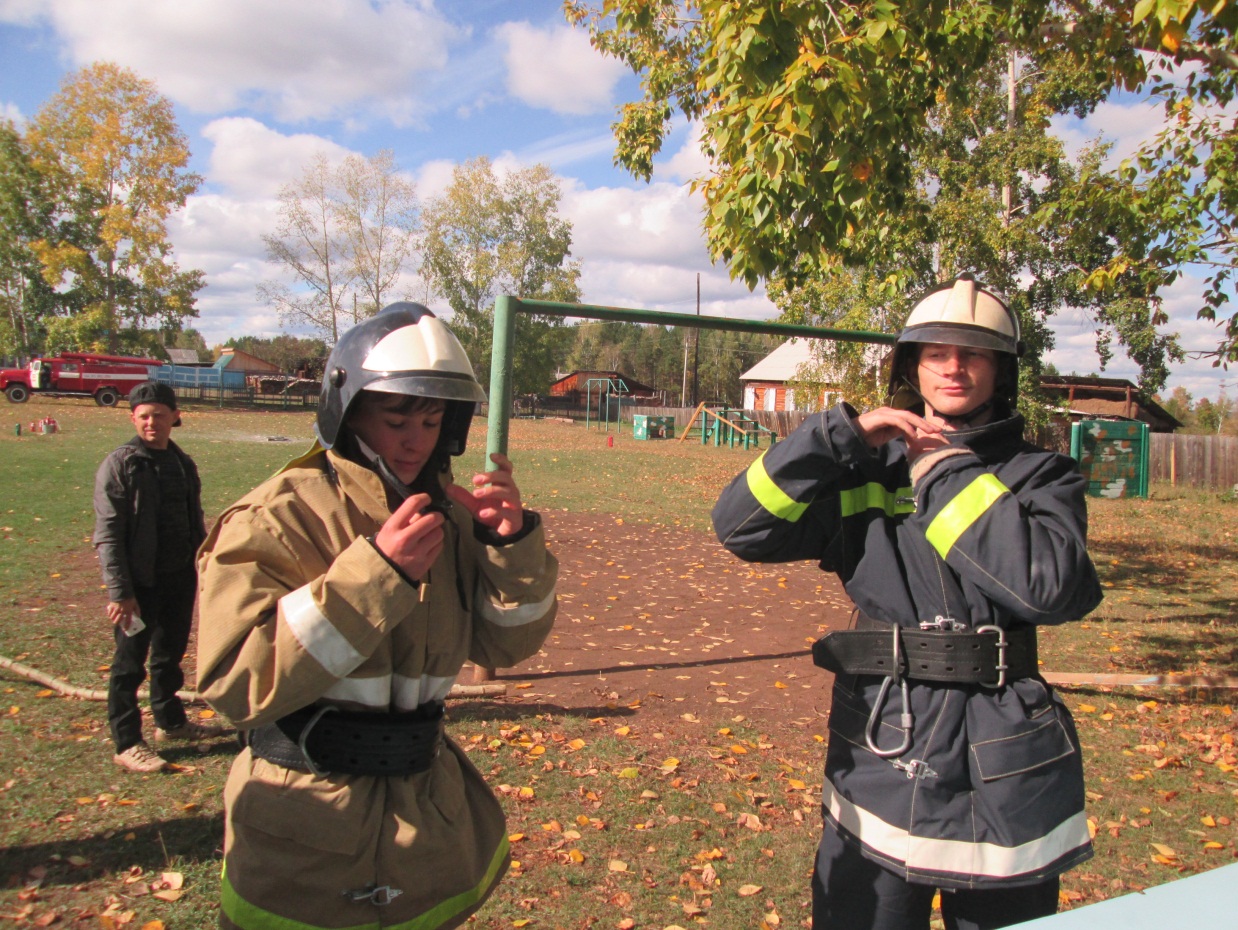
[
  {"x": 296, "y": 807},
  {"x": 1045, "y": 741}
]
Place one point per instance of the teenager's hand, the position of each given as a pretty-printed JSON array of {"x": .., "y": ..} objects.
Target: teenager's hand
[
  {"x": 411, "y": 539},
  {"x": 885, "y": 423},
  {"x": 495, "y": 500}
]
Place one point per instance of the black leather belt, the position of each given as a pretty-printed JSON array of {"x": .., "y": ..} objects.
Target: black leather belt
[
  {"x": 945, "y": 651},
  {"x": 325, "y": 740}
]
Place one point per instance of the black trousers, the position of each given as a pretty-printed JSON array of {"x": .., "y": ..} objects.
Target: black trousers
[
  {"x": 850, "y": 892},
  {"x": 167, "y": 610}
]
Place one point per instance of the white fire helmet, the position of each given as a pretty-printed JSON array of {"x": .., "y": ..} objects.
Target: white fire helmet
[
  {"x": 961, "y": 313},
  {"x": 402, "y": 349}
]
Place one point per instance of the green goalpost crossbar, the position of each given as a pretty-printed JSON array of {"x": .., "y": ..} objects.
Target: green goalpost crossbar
[{"x": 506, "y": 307}]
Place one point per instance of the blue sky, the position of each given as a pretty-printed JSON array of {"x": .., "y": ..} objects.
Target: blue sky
[{"x": 261, "y": 86}]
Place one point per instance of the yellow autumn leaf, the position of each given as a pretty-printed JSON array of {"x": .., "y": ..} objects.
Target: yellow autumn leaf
[
  {"x": 1207, "y": 821},
  {"x": 1213, "y": 844},
  {"x": 515, "y": 837},
  {"x": 537, "y": 750},
  {"x": 1164, "y": 850},
  {"x": 576, "y": 744},
  {"x": 629, "y": 772},
  {"x": 153, "y": 925},
  {"x": 1087, "y": 709},
  {"x": 622, "y": 731},
  {"x": 739, "y": 750},
  {"x": 522, "y": 922},
  {"x": 617, "y": 865},
  {"x": 796, "y": 784},
  {"x": 525, "y": 792},
  {"x": 747, "y": 891},
  {"x": 779, "y": 684},
  {"x": 576, "y": 856}
]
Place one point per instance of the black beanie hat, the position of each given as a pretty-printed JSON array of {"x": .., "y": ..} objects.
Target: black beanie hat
[{"x": 153, "y": 392}]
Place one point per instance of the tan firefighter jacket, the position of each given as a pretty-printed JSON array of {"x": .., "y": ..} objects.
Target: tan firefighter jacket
[{"x": 299, "y": 608}]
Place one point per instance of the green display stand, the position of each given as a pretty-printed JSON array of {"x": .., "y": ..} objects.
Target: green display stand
[{"x": 1113, "y": 455}]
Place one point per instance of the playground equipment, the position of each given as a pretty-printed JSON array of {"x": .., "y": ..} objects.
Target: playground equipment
[
  {"x": 612, "y": 386},
  {"x": 729, "y": 426},
  {"x": 507, "y": 306}
]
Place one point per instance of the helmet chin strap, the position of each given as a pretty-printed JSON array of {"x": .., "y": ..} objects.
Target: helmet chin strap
[
  {"x": 384, "y": 470},
  {"x": 955, "y": 421},
  {"x": 964, "y": 420}
]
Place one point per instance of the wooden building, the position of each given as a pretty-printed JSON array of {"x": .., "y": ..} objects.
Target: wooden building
[
  {"x": 574, "y": 387},
  {"x": 1087, "y": 398}
]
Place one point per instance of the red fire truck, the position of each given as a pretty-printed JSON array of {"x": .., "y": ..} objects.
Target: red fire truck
[{"x": 106, "y": 378}]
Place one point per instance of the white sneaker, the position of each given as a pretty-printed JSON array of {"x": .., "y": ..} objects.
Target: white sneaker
[{"x": 140, "y": 758}]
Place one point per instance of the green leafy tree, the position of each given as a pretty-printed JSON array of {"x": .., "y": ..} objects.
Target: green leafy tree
[
  {"x": 114, "y": 164},
  {"x": 290, "y": 353},
  {"x": 488, "y": 235},
  {"x": 26, "y": 217},
  {"x": 818, "y": 118},
  {"x": 1179, "y": 406}
]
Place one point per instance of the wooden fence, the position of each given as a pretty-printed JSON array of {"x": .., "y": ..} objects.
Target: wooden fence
[
  {"x": 1181, "y": 460},
  {"x": 1194, "y": 461}
]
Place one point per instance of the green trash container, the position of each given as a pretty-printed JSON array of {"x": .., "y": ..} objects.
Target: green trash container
[
  {"x": 1114, "y": 456},
  {"x": 649, "y": 427}
]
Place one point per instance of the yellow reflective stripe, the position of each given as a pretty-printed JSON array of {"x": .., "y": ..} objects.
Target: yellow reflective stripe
[
  {"x": 966, "y": 508},
  {"x": 873, "y": 496},
  {"x": 769, "y": 495},
  {"x": 444, "y": 911},
  {"x": 250, "y": 917}
]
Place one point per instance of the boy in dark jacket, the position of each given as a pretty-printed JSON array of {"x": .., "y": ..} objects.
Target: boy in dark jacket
[
  {"x": 148, "y": 526},
  {"x": 951, "y": 763}
]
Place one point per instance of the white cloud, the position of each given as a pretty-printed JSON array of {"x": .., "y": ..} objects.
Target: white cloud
[
  {"x": 21, "y": 12},
  {"x": 690, "y": 161},
  {"x": 11, "y": 112},
  {"x": 557, "y": 69},
  {"x": 293, "y": 59},
  {"x": 1126, "y": 125},
  {"x": 659, "y": 222},
  {"x": 250, "y": 159}
]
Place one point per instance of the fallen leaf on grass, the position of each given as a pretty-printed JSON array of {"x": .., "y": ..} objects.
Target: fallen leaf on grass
[
  {"x": 747, "y": 891},
  {"x": 617, "y": 865}
]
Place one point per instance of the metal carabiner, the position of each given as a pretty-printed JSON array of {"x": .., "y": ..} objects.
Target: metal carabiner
[
  {"x": 904, "y": 720},
  {"x": 379, "y": 896}
]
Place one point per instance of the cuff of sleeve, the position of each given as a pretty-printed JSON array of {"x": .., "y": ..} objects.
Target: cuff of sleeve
[
  {"x": 483, "y": 534},
  {"x": 925, "y": 463},
  {"x": 394, "y": 567}
]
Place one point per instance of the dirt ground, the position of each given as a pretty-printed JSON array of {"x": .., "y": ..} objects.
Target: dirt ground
[{"x": 655, "y": 623}]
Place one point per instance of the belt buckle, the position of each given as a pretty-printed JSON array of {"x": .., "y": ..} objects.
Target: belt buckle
[
  {"x": 1001, "y": 665},
  {"x": 304, "y": 737}
]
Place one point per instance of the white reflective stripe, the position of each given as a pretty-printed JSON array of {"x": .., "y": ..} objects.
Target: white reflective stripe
[
  {"x": 316, "y": 634},
  {"x": 432, "y": 688},
  {"x": 517, "y": 614},
  {"x": 956, "y": 856},
  {"x": 370, "y": 692},
  {"x": 391, "y": 692}
]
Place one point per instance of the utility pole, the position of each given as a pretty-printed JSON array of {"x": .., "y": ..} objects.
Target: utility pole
[{"x": 696, "y": 342}]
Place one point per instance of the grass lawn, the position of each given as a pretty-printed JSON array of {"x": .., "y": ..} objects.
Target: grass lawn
[{"x": 709, "y": 822}]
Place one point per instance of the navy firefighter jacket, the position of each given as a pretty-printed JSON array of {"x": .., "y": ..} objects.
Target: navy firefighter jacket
[{"x": 994, "y": 531}]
